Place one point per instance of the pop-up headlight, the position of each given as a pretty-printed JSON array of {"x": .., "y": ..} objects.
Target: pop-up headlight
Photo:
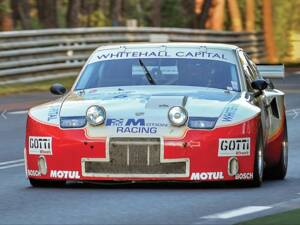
[
  {"x": 73, "y": 122},
  {"x": 178, "y": 116},
  {"x": 95, "y": 115},
  {"x": 202, "y": 122}
]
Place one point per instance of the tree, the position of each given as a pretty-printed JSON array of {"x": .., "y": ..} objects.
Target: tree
[
  {"x": 117, "y": 18},
  {"x": 6, "y": 23},
  {"x": 235, "y": 16},
  {"x": 187, "y": 8},
  {"x": 268, "y": 32},
  {"x": 216, "y": 20},
  {"x": 73, "y": 13},
  {"x": 47, "y": 13},
  {"x": 21, "y": 13},
  {"x": 211, "y": 14},
  {"x": 250, "y": 15},
  {"x": 202, "y": 9},
  {"x": 86, "y": 9},
  {"x": 155, "y": 13},
  {"x": 173, "y": 13}
]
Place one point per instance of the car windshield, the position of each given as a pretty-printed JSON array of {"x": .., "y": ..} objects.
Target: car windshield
[{"x": 163, "y": 71}]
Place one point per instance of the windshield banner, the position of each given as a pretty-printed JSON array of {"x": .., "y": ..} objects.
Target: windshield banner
[{"x": 189, "y": 53}]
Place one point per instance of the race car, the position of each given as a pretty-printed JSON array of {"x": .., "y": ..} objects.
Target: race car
[{"x": 185, "y": 112}]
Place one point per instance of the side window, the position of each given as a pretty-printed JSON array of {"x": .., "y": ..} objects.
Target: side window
[
  {"x": 248, "y": 82},
  {"x": 248, "y": 73},
  {"x": 252, "y": 66}
]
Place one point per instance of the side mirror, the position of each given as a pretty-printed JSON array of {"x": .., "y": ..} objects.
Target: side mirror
[
  {"x": 259, "y": 84},
  {"x": 57, "y": 89}
]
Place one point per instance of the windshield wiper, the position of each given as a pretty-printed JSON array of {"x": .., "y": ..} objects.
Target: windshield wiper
[{"x": 147, "y": 73}]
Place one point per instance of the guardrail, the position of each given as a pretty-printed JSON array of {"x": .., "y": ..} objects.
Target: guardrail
[{"x": 27, "y": 56}]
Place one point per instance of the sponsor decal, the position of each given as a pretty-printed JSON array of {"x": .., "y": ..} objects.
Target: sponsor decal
[
  {"x": 229, "y": 113},
  {"x": 178, "y": 54},
  {"x": 234, "y": 147},
  {"x": 207, "y": 176},
  {"x": 33, "y": 173},
  {"x": 40, "y": 145},
  {"x": 209, "y": 55},
  {"x": 53, "y": 113},
  {"x": 134, "y": 126},
  {"x": 244, "y": 176},
  {"x": 64, "y": 174}
]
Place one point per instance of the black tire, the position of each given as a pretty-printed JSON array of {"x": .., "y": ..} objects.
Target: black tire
[
  {"x": 278, "y": 172},
  {"x": 46, "y": 183},
  {"x": 259, "y": 161}
]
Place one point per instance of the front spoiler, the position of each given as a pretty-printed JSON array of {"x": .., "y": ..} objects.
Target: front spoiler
[{"x": 198, "y": 148}]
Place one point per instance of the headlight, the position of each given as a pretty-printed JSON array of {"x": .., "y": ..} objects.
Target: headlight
[
  {"x": 202, "y": 122},
  {"x": 72, "y": 122},
  {"x": 178, "y": 116},
  {"x": 95, "y": 115}
]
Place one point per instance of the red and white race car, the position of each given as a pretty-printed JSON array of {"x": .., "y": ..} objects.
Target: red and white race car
[{"x": 161, "y": 112}]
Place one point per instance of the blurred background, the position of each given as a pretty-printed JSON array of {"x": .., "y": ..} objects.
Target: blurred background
[
  {"x": 51, "y": 39},
  {"x": 234, "y": 15}
]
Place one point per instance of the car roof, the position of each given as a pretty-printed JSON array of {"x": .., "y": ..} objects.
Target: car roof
[{"x": 169, "y": 44}]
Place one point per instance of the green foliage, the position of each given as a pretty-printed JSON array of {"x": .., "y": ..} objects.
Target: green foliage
[
  {"x": 95, "y": 19},
  {"x": 4, "y": 6},
  {"x": 285, "y": 19},
  {"x": 285, "y": 218},
  {"x": 139, "y": 10},
  {"x": 173, "y": 14},
  {"x": 62, "y": 12},
  {"x": 35, "y": 86}
]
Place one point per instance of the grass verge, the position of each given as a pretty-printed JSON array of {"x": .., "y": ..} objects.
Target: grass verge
[
  {"x": 35, "y": 86},
  {"x": 286, "y": 218}
]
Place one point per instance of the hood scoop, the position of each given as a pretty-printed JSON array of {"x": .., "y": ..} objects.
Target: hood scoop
[{"x": 160, "y": 102}]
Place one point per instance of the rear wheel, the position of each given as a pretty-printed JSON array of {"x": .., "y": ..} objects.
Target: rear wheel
[
  {"x": 278, "y": 172},
  {"x": 46, "y": 183},
  {"x": 259, "y": 162}
]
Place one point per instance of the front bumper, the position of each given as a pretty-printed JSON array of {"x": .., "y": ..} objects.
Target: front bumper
[{"x": 193, "y": 157}]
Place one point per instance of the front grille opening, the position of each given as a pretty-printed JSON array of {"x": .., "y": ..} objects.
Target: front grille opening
[{"x": 135, "y": 156}]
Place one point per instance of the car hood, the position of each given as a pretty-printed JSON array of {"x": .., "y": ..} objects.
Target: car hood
[
  {"x": 149, "y": 102},
  {"x": 143, "y": 111}
]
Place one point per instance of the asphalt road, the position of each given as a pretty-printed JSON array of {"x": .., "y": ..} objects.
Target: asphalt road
[{"x": 139, "y": 204}]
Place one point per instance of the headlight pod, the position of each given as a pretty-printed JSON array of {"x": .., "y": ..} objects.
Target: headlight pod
[
  {"x": 72, "y": 122},
  {"x": 202, "y": 122},
  {"x": 95, "y": 115},
  {"x": 177, "y": 116}
]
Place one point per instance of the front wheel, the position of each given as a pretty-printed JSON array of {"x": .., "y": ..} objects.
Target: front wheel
[{"x": 46, "y": 183}]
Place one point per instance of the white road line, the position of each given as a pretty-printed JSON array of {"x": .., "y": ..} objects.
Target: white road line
[
  {"x": 236, "y": 212},
  {"x": 295, "y": 115},
  {"x": 18, "y": 112},
  {"x": 292, "y": 110},
  {"x": 3, "y": 114},
  {"x": 11, "y": 162},
  {"x": 11, "y": 166}
]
